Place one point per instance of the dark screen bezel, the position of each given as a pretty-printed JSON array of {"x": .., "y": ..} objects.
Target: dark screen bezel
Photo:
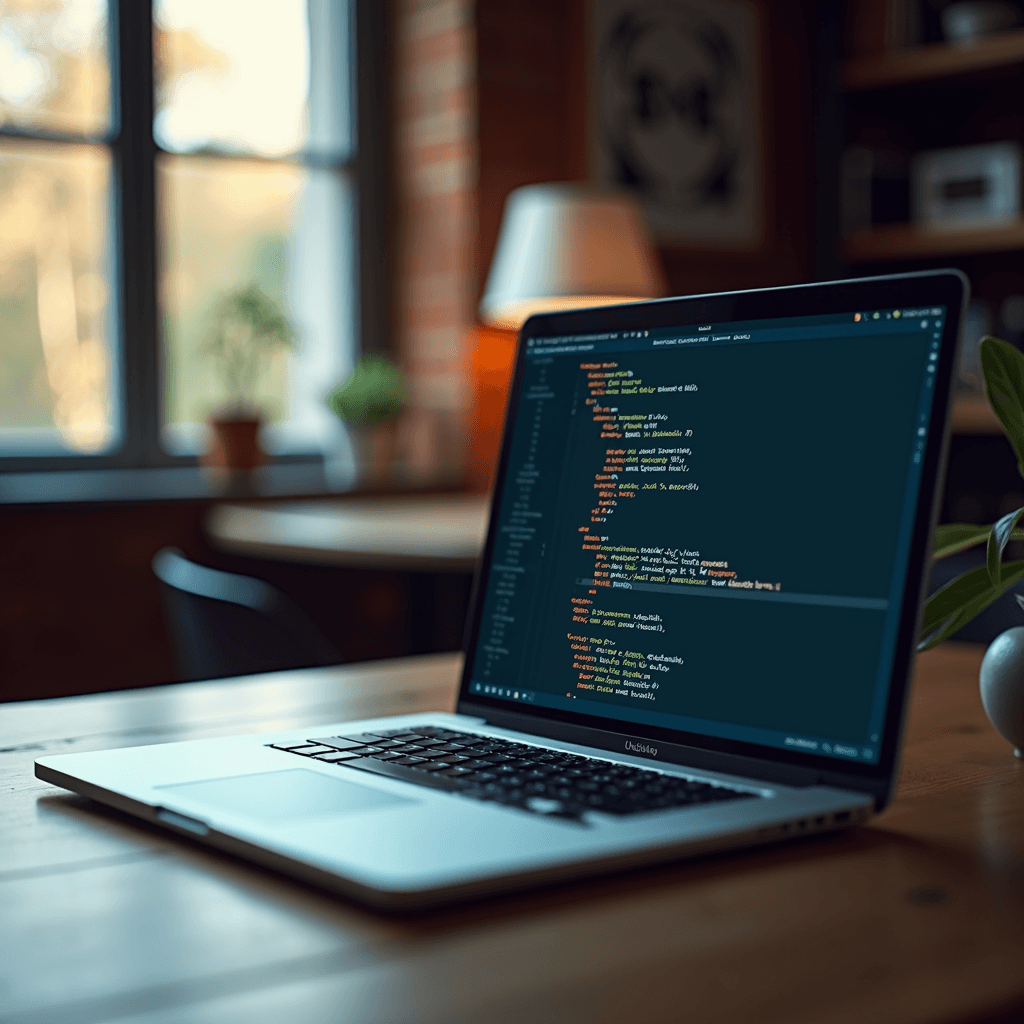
[{"x": 947, "y": 288}]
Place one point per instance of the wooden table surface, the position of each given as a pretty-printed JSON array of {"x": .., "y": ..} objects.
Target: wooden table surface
[
  {"x": 440, "y": 532},
  {"x": 917, "y": 917}
]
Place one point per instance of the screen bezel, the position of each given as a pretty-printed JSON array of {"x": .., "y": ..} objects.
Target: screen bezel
[{"x": 947, "y": 288}]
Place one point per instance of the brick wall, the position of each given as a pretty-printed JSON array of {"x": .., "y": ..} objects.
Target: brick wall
[{"x": 435, "y": 174}]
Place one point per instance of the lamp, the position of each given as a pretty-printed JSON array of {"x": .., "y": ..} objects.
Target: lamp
[
  {"x": 561, "y": 246},
  {"x": 568, "y": 246}
]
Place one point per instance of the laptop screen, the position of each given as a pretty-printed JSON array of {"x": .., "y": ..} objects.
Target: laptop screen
[{"x": 707, "y": 528}]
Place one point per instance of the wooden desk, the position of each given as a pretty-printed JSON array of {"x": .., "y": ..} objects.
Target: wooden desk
[
  {"x": 915, "y": 918},
  {"x": 440, "y": 533}
]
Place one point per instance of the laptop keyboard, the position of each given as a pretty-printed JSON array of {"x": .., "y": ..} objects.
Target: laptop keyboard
[{"x": 535, "y": 779}]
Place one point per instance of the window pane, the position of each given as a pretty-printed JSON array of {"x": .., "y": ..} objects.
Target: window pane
[
  {"x": 228, "y": 224},
  {"x": 54, "y": 66},
  {"x": 56, "y": 367},
  {"x": 232, "y": 75}
]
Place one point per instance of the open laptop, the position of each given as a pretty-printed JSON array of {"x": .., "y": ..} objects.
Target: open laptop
[{"x": 694, "y": 622}]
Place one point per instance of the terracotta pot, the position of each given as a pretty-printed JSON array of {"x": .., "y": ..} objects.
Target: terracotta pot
[
  {"x": 374, "y": 446},
  {"x": 234, "y": 443}
]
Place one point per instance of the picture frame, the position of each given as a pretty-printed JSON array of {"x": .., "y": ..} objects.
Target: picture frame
[{"x": 675, "y": 116}]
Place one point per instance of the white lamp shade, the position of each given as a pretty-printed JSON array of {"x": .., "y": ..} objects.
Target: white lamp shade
[{"x": 563, "y": 246}]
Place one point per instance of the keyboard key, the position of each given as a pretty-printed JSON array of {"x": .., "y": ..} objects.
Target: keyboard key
[
  {"x": 405, "y": 774},
  {"x": 407, "y": 760},
  {"x": 339, "y": 742},
  {"x": 312, "y": 751},
  {"x": 335, "y": 756}
]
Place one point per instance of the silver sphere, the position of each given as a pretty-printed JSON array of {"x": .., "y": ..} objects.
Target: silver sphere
[{"x": 1002, "y": 686}]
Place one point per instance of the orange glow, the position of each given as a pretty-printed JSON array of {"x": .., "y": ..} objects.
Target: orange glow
[
  {"x": 492, "y": 356},
  {"x": 512, "y": 316}
]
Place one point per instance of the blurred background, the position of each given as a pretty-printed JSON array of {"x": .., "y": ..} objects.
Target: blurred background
[{"x": 348, "y": 162}]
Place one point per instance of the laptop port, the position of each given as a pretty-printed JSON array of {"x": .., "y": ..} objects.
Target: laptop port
[{"x": 842, "y": 818}]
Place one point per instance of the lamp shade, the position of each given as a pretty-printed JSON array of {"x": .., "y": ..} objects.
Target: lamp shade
[{"x": 565, "y": 246}]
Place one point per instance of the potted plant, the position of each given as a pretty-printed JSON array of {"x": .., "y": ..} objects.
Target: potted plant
[
  {"x": 970, "y": 593},
  {"x": 247, "y": 329},
  {"x": 369, "y": 402}
]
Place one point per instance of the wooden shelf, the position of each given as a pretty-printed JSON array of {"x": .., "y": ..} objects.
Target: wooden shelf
[
  {"x": 974, "y": 416},
  {"x": 926, "y": 63},
  {"x": 908, "y": 242}
]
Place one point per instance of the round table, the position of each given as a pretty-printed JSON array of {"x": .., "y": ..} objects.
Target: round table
[{"x": 439, "y": 533}]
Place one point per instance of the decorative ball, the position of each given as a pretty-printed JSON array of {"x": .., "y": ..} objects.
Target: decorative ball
[{"x": 1002, "y": 686}]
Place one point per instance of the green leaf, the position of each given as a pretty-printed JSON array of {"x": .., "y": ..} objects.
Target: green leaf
[
  {"x": 1003, "y": 368},
  {"x": 953, "y": 537},
  {"x": 997, "y": 541},
  {"x": 950, "y": 598},
  {"x": 954, "y": 605}
]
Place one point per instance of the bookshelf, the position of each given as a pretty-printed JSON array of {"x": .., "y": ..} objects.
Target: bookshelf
[
  {"x": 920, "y": 65},
  {"x": 907, "y": 99},
  {"x": 909, "y": 242}
]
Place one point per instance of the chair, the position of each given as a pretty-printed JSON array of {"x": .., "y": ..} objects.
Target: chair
[{"x": 223, "y": 624}]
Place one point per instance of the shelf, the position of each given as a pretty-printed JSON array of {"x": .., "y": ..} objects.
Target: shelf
[
  {"x": 973, "y": 416},
  {"x": 926, "y": 63},
  {"x": 908, "y": 242}
]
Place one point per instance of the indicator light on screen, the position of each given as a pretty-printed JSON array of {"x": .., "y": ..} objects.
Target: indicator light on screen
[
  {"x": 896, "y": 313},
  {"x": 856, "y": 317}
]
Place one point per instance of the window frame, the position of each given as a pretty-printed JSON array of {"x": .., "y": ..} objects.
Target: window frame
[{"x": 134, "y": 154}]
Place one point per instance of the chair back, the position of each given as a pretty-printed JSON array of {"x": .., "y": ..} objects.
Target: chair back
[{"x": 224, "y": 624}]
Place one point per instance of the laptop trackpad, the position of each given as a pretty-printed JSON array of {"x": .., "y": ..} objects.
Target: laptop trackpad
[{"x": 285, "y": 795}]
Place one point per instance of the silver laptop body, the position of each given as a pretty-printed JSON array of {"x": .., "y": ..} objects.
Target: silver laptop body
[{"x": 694, "y": 623}]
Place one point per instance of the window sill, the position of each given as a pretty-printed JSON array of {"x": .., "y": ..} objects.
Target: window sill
[{"x": 178, "y": 483}]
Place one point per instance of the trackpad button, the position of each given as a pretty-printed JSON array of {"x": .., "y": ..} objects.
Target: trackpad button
[{"x": 286, "y": 795}]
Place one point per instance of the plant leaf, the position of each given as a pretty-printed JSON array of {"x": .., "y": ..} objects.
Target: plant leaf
[
  {"x": 953, "y": 537},
  {"x": 960, "y": 600},
  {"x": 951, "y": 597},
  {"x": 997, "y": 542},
  {"x": 1003, "y": 368}
]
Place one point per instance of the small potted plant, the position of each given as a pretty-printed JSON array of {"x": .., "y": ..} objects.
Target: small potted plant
[
  {"x": 369, "y": 402},
  {"x": 954, "y": 605},
  {"x": 960, "y": 600},
  {"x": 247, "y": 329}
]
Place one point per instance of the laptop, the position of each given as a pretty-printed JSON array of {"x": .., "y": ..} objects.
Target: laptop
[{"x": 694, "y": 622}]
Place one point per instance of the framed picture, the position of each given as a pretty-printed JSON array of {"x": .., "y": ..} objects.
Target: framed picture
[{"x": 675, "y": 116}]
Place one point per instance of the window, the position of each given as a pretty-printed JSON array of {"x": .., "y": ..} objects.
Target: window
[{"x": 152, "y": 160}]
